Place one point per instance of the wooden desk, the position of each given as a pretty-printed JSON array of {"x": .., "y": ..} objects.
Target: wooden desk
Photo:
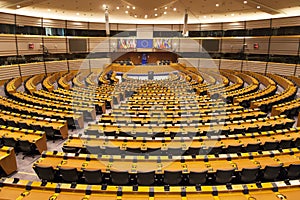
[
  {"x": 80, "y": 142},
  {"x": 19, "y": 189},
  {"x": 41, "y": 111},
  {"x": 35, "y": 137},
  {"x": 13, "y": 85},
  {"x": 8, "y": 160},
  {"x": 184, "y": 163},
  {"x": 264, "y": 161},
  {"x": 60, "y": 125}
]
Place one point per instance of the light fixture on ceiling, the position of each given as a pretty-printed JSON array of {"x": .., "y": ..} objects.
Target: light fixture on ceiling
[
  {"x": 104, "y": 5},
  {"x": 204, "y": 16},
  {"x": 166, "y": 8},
  {"x": 232, "y": 14},
  {"x": 49, "y": 10},
  {"x": 174, "y": 9},
  {"x": 155, "y": 14},
  {"x": 155, "y": 9},
  {"x": 258, "y": 7},
  {"x": 245, "y": 2},
  {"x": 128, "y": 6},
  {"x": 135, "y": 16},
  {"x": 77, "y": 14},
  {"x": 126, "y": 11},
  {"x": 217, "y": 5},
  {"x": 146, "y": 16},
  {"x": 118, "y": 7},
  {"x": 18, "y": 6},
  {"x": 165, "y": 12},
  {"x": 133, "y": 8}
]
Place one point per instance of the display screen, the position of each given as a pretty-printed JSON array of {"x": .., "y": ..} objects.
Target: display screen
[
  {"x": 210, "y": 45},
  {"x": 77, "y": 45}
]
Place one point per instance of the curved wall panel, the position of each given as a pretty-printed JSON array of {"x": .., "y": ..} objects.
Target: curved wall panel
[
  {"x": 8, "y": 72},
  {"x": 32, "y": 69},
  {"x": 254, "y": 66},
  {"x": 56, "y": 66}
]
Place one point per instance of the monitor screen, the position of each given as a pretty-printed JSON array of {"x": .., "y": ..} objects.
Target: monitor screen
[
  {"x": 77, "y": 45},
  {"x": 210, "y": 45}
]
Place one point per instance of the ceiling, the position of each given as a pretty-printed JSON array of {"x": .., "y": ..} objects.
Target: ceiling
[{"x": 154, "y": 11}]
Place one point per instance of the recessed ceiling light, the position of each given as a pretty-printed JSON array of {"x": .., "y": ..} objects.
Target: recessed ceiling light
[
  {"x": 133, "y": 8},
  {"x": 128, "y": 6},
  {"x": 135, "y": 16},
  {"x": 77, "y": 14},
  {"x": 204, "y": 16},
  {"x": 217, "y": 5},
  {"x": 174, "y": 9},
  {"x": 146, "y": 16},
  {"x": 165, "y": 12},
  {"x": 245, "y": 2},
  {"x": 126, "y": 11},
  {"x": 258, "y": 7},
  {"x": 166, "y": 8},
  {"x": 155, "y": 14},
  {"x": 18, "y": 6},
  {"x": 104, "y": 5},
  {"x": 118, "y": 7},
  {"x": 155, "y": 9},
  {"x": 49, "y": 10},
  {"x": 232, "y": 14}
]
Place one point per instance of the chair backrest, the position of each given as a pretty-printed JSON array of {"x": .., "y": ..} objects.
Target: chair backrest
[
  {"x": 112, "y": 151},
  {"x": 119, "y": 177},
  {"x": 234, "y": 149},
  {"x": 154, "y": 151},
  {"x": 252, "y": 129},
  {"x": 133, "y": 151},
  {"x": 284, "y": 144},
  {"x": 193, "y": 151},
  {"x": 70, "y": 121},
  {"x": 67, "y": 149},
  {"x": 11, "y": 123},
  {"x": 92, "y": 132},
  {"x": 23, "y": 125},
  {"x": 293, "y": 171},
  {"x": 146, "y": 178},
  {"x": 2, "y": 122},
  {"x": 175, "y": 151},
  {"x": 110, "y": 133},
  {"x": 215, "y": 150},
  {"x": 172, "y": 177},
  {"x": 197, "y": 177},
  {"x": 297, "y": 142},
  {"x": 92, "y": 176},
  {"x": 49, "y": 131},
  {"x": 69, "y": 174},
  {"x": 238, "y": 130},
  {"x": 265, "y": 127},
  {"x": 248, "y": 175},
  {"x": 25, "y": 146},
  {"x": 94, "y": 150},
  {"x": 9, "y": 141},
  {"x": 45, "y": 172},
  {"x": 252, "y": 147},
  {"x": 224, "y": 176},
  {"x": 270, "y": 145},
  {"x": 270, "y": 173}
]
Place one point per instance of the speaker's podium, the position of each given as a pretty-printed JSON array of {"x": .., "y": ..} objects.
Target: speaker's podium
[{"x": 150, "y": 75}]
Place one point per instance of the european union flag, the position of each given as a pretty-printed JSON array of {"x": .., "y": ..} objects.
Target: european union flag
[{"x": 144, "y": 43}]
